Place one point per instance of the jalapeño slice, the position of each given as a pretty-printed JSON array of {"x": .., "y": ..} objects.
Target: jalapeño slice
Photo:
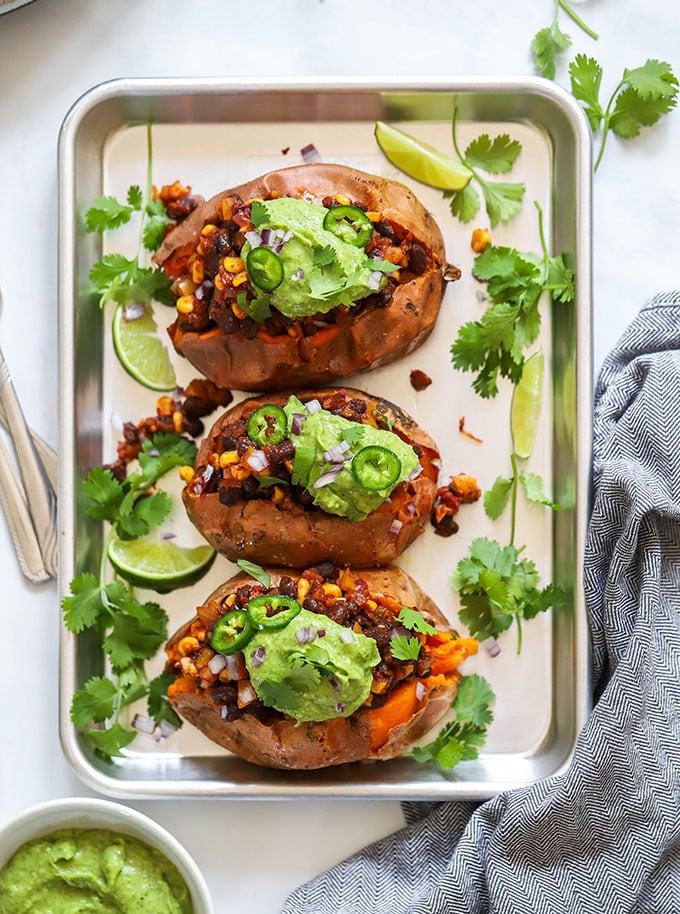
[
  {"x": 268, "y": 424},
  {"x": 232, "y": 632},
  {"x": 272, "y": 612},
  {"x": 349, "y": 224},
  {"x": 376, "y": 468},
  {"x": 265, "y": 268}
]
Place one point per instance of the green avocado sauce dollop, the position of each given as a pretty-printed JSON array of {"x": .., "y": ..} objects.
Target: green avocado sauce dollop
[
  {"x": 73, "y": 870},
  {"x": 320, "y": 432},
  {"x": 320, "y": 271},
  {"x": 312, "y": 670}
]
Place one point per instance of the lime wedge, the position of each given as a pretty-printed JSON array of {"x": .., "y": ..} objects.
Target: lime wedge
[
  {"x": 525, "y": 409},
  {"x": 420, "y": 161},
  {"x": 141, "y": 351},
  {"x": 159, "y": 565}
]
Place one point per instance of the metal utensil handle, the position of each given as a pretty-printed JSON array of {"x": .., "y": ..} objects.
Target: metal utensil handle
[
  {"x": 19, "y": 522},
  {"x": 47, "y": 454},
  {"x": 39, "y": 493}
]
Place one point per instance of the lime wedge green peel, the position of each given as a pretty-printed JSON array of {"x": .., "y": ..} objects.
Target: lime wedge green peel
[
  {"x": 420, "y": 161},
  {"x": 159, "y": 565},
  {"x": 141, "y": 351},
  {"x": 525, "y": 409}
]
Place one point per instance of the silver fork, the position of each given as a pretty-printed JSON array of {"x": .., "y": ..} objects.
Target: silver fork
[{"x": 36, "y": 497}]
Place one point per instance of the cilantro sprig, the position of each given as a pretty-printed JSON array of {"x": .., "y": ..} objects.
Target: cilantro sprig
[
  {"x": 131, "y": 631},
  {"x": 640, "y": 98},
  {"x": 502, "y": 199},
  {"x": 497, "y": 585},
  {"x": 505, "y": 490},
  {"x": 121, "y": 279},
  {"x": 550, "y": 41},
  {"x": 461, "y": 738},
  {"x": 495, "y": 344}
]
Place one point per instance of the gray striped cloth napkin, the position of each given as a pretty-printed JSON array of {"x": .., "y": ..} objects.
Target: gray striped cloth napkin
[{"x": 603, "y": 837}]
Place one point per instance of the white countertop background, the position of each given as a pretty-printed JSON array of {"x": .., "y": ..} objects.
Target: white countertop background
[{"x": 51, "y": 52}]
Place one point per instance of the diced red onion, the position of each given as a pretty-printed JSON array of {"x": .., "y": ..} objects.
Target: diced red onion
[
  {"x": 258, "y": 656},
  {"x": 258, "y": 461},
  {"x": 154, "y": 452},
  {"x": 327, "y": 478},
  {"x": 231, "y": 667},
  {"x": 340, "y": 706},
  {"x": 415, "y": 474},
  {"x": 491, "y": 646},
  {"x": 143, "y": 724},
  {"x": 246, "y": 693},
  {"x": 421, "y": 690},
  {"x": 374, "y": 280},
  {"x": 395, "y": 526},
  {"x": 338, "y": 453},
  {"x": 224, "y": 712},
  {"x": 267, "y": 236},
  {"x": 310, "y": 153},
  {"x": 254, "y": 239},
  {"x": 305, "y": 635},
  {"x": 167, "y": 729},
  {"x": 298, "y": 275},
  {"x": 333, "y": 682},
  {"x": 347, "y": 635},
  {"x": 217, "y": 663},
  {"x": 134, "y": 312},
  {"x": 321, "y": 633},
  {"x": 168, "y": 536},
  {"x": 436, "y": 462},
  {"x": 411, "y": 508},
  {"x": 297, "y": 420},
  {"x": 312, "y": 406}
]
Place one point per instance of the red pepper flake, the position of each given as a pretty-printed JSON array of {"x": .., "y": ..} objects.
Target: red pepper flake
[
  {"x": 419, "y": 380},
  {"x": 463, "y": 431}
]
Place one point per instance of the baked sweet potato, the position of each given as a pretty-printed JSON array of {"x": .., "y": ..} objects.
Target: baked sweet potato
[
  {"x": 252, "y": 339},
  {"x": 371, "y": 611},
  {"x": 248, "y": 501}
]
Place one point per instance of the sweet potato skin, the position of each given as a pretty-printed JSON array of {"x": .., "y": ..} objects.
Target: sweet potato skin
[
  {"x": 268, "y": 534},
  {"x": 375, "y": 337},
  {"x": 280, "y": 742}
]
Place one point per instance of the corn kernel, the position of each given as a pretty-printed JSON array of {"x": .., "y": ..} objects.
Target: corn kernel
[
  {"x": 238, "y": 311},
  {"x": 186, "y": 474},
  {"x": 226, "y": 209},
  {"x": 198, "y": 270},
  {"x": 178, "y": 421},
  {"x": 480, "y": 239},
  {"x": 208, "y": 229},
  {"x": 371, "y": 604},
  {"x": 373, "y": 216},
  {"x": 240, "y": 278},
  {"x": 231, "y": 599},
  {"x": 228, "y": 458},
  {"x": 378, "y": 687},
  {"x": 278, "y": 495},
  {"x": 240, "y": 473},
  {"x": 232, "y": 264},
  {"x": 164, "y": 406},
  {"x": 188, "y": 645},
  {"x": 186, "y": 286},
  {"x": 220, "y": 284},
  {"x": 332, "y": 590},
  {"x": 302, "y": 589},
  {"x": 342, "y": 200},
  {"x": 185, "y": 304},
  {"x": 346, "y": 580}
]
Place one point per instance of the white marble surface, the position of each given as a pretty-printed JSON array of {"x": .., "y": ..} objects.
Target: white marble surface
[{"x": 51, "y": 51}]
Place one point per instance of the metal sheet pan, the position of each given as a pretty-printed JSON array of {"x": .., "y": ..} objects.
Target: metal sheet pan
[{"x": 214, "y": 133}]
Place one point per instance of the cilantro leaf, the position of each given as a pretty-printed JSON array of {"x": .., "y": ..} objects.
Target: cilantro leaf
[
  {"x": 110, "y": 741},
  {"x": 462, "y": 738},
  {"x": 104, "y": 493},
  {"x": 404, "y": 648},
  {"x": 255, "y": 571},
  {"x": 156, "y": 224},
  {"x": 464, "y": 203},
  {"x": 585, "y": 75},
  {"x": 496, "y": 498},
  {"x": 321, "y": 256},
  {"x": 546, "y": 45},
  {"x": 158, "y": 705},
  {"x": 95, "y": 702},
  {"x": 353, "y": 434},
  {"x": 135, "y": 198},
  {"x": 107, "y": 213},
  {"x": 278, "y": 695},
  {"x": 495, "y": 156},
  {"x": 652, "y": 81},
  {"x": 415, "y": 621},
  {"x": 503, "y": 200},
  {"x": 381, "y": 266},
  {"x": 258, "y": 309},
  {"x": 162, "y": 452},
  {"x": 83, "y": 609},
  {"x": 496, "y": 585},
  {"x": 136, "y": 633},
  {"x": 533, "y": 489},
  {"x": 258, "y": 213}
]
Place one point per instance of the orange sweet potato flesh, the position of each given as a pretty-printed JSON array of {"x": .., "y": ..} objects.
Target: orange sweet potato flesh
[
  {"x": 368, "y": 734},
  {"x": 375, "y": 337},
  {"x": 280, "y": 534}
]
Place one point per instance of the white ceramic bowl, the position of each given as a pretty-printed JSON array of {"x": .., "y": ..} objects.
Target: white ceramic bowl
[{"x": 82, "y": 812}]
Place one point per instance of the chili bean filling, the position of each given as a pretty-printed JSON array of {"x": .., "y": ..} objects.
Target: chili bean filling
[
  {"x": 210, "y": 279},
  {"x": 323, "y": 589}
]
